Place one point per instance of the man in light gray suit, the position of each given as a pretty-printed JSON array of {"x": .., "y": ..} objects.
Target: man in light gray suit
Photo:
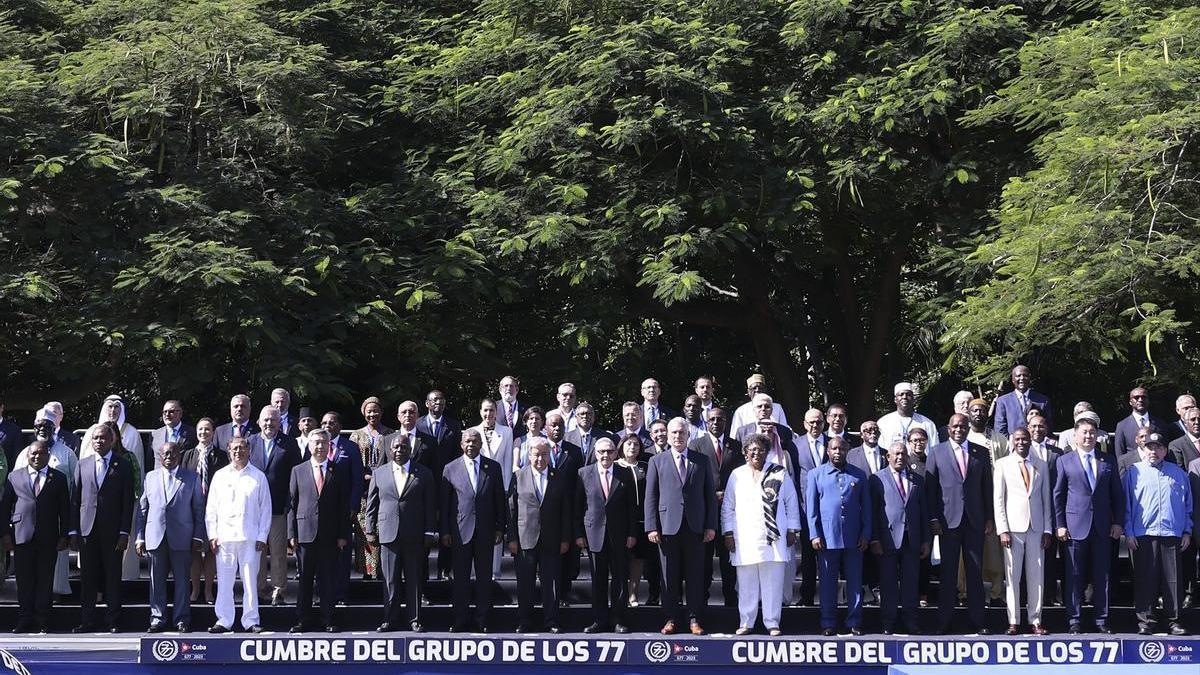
[
  {"x": 170, "y": 526},
  {"x": 539, "y": 528},
  {"x": 681, "y": 517}
]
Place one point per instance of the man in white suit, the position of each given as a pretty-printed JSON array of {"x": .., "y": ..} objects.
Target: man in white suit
[
  {"x": 1024, "y": 523},
  {"x": 497, "y": 445}
]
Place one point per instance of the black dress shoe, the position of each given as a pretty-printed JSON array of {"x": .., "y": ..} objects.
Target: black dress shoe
[
  {"x": 482, "y": 629},
  {"x": 1188, "y": 601},
  {"x": 42, "y": 629},
  {"x": 983, "y": 630},
  {"x": 522, "y": 628},
  {"x": 1177, "y": 629},
  {"x": 157, "y": 627},
  {"x": 416, "y": 627},
  {"x": 912, "y": 629},
  {"x": 217, "y": 629},
  {"x": 1145, "y": 630},
  {"x": 553, "y": 630},
  {"x": 84, "y": 628},
  {"x": 182, "y": 627},
  {"x": 256, "y": 629},
  {"x": 594, "y": 628},
  {"x": 621, "y": 628},
  {"x": 384, "y": 627},
  {"x": 856, "y": 631},
  {"x": 114, "y": 629},
  {"x": 829, "y": 632},
  {"x": 299, "y": 628},
  {"x": 23, "y": 627},
  {"x": 331, "y": 628},
  {"x": 458, "y": 628},
  {"x": 1103, "y": 628},
  {"x": 1074, "y": 629},
  {"x": 887, "y": 630}
]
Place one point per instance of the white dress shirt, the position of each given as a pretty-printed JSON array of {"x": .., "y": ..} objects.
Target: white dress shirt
[{"x": 239, "y": 505}]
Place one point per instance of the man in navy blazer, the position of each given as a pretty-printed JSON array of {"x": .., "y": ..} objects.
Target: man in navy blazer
[
  {"x": 170, "y": 526},
  {"x": 275, "y": 455},
  {"x": 1139, "y": 416},
  {"x": 681, "y": 517},
  {"x": 402, "y": 521},
  {"x": 35, "y": 520},
  {"x": 586, "y": 433},
  {"x": 958, "y": 478},
  {"x": 1089, "y": 509},
  {"x": 347, "y": 455},
  {"x": 318, "y": 528},
  {"x": 473, "y": 517},
  {"x": 605, "y": 525},
  {"x": 447, "y": 434},
  {"x": 1011, "y": 408},
  {"x": 901, "y": 537},
  {"x": 423, "y": 448},
  {"x": 104, "y": 500}
]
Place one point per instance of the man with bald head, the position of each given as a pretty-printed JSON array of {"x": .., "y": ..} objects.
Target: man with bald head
[
  {"x": 422, "y": 446},
  {"x": 275, "y": 455},
  {"x": 681, "y": 517},
  {"x": 1013, "y": 407},
  {"x": 1139, "y": 416}
]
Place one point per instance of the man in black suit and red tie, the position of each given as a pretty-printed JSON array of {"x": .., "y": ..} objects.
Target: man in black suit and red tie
[
  {"x": 35, "y": 519},
  {"x": 318, "y": 523}
]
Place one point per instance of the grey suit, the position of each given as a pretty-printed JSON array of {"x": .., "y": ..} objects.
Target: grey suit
[
  {"x": 471, "y": 517},
  {"x": 539, "y": 527},
  {"x": 224, "y": 433},
  {"x": 168, "y": 521},
  {"x": 680, "y": 509},
  {"x": 402, "y": 519},
  {"x": 316, "y": 520},
  {"x": 605, "y": 524},
  {"x": 901, "y": 526},
  {"x": 36, "y": 525},
  {"x": 159, "y": 437}
]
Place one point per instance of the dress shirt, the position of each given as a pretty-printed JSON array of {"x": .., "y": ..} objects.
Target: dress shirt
[
  {"x": 239, "y": 505},
  {"x": 1158, "y": 500},
  {"x": 320, "y": 471},
  {"x": 472, "y": 471},
  {"x": 1091, "y": 470},
  {"x": 34, "y": 476},
  {"x": 401, "y": 473},
  {"x": 874, "y": 457}
]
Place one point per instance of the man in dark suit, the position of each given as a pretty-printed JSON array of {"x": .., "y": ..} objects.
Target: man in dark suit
[
  {"x": 402, "y": 521},
  {"x": 565, "y": 458},
  {"x": 902, "y": 537},
  {"x": 347, "y": 455},
  {"x": 10, "y": 436},
  {"x": 275, "y": 455},
  {"x": 959, "y": 485},
  {"x": 631, "y": 423},
  {"x": 1089, "y": 509},
  {"x": 1139, "y": 416},
  {"x": 586, "y": 433},
  {"x": 605, "y": 525},
  {"x": 1183, "y": 451},
  {"x": 239, "y": 425},
  {"x": 870, "y": 458},
  {"x": 473, "y": 517},
  {"x": 446, "y": 433},
  {"x": 174, "y": 430},
  {"x": 681, "y": 517},
  {"x": 724, "y": 455},
  {"x": 35, "y": 520},
  {"x": 318, "y": 527},
  {"x": 510, "y": 412},
  {"x": 1011, "y": 408},
  {"x": 281, "y": 400},
  {"x": 539, "y": 526},
  {"x": 104, "y": 499},
  {"x": 809, "y": 455},
  {"x": 170, "y": 526},
  {"x": 652, "y": 407},
  {"x": 836, "y": 419},
  {"x": 423, "y": 447}
]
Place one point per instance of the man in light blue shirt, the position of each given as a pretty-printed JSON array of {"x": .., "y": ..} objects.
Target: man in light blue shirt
[{"x": 1158, "y": 525}]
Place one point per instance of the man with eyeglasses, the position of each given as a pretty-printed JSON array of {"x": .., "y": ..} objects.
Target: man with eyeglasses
[
  {"x": 174, "y": 430},
  {"x": 1139, "y": 417}
]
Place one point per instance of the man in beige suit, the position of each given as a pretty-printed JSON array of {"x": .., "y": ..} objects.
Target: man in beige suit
[{"x": 1024, "y": 522}]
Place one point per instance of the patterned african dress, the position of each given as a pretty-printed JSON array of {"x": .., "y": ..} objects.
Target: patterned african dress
[{"x": 366, "y": 557}]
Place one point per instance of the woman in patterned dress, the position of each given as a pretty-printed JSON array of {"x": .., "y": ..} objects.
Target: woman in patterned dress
[{"x": 374, "y": 453}]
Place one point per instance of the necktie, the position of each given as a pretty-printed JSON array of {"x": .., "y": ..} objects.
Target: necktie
[
  {"x": 604, "y": 483},
  {"x": 585, "y": 439},
  {"x": 1197, "y": 442},
  {"x": 509, "y": 413},
  {"x": 202, "y": 463},
  {"x": 900, "y": 484},
  {"x": 101, "y": 471},
  {"x": 720, "y": 451},
  {"x": 962, "y": 462},
  {"x": 541, "y": 487},
  {"x": 320, "y": 478},
  {"x": 653, "y": 413},
  {"x": 474, "y": 470},
  {"x": 167, "y": 483},
  {"x": 402, "y": 482},
  {"x": 1141, "y": 421},
  {"x": 554, "y": 457},
  {"x": 1023, "y": 401},
  {"x": 436, "y": 426},
  {"x": 682, "y": 468},
  {"x": 1091, "y": 474},
  {"x": 37, "y": 483},
  {"x": 816, "y": 448},
  {"x": 174, "y": 434},
  {"x": 1025, "y": 474}
]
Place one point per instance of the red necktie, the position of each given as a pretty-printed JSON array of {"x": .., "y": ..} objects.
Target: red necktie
[
  {"x": 900, "y": 484},
  {"x": 604, "y": 483},
  {"x": 720, "y": 451},
  {"x": 320, "y": 479}
]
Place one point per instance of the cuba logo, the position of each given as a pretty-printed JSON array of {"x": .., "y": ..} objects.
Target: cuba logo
[{"x": 165, "y": 650}]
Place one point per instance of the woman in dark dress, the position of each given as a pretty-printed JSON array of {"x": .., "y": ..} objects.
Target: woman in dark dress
[{"x": 632, "y": 455}]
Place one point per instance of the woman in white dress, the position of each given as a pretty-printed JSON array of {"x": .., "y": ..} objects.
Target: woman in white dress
[{"x": 113, "y": 411}]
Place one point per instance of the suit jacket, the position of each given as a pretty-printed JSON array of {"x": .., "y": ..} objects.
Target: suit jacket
[
  {"x": 838, "y": 506},
  {"x": 588, "y": 446},
  {"x": 224, "y": 433},
  {"x": 518, "y": 425},
  {"x": 11, "y": 440},
  {"x": 464, "y": 509},
  {"x": 643, "y": 434},
  {"x": 858, "y": 457},
  {"x": 215, "y": 460},
  {"x": 1194, "y": 478},
  {"x": 546, "y": 524},
  {"x": 446, "y": 441},
  {"x": 895, "y": 516},
  {"x": 349, "y": 460},
  {"x": 318, "y": 517},
  {"x": 158, "y": 438},
  {"x": 569, "y": 460},
  {"x": 277, "y": 468},
  {"x": 1082, "y": 509},
  {"x": 501, "y": 450},
  {"x": 606, "y": 523},
  {"x": 177, "y": 518},
  {"x": 1182, "y": 451},
  {"x": 1018, "y": 510},
  {"x": 1127, "y": 460},
  {"x": 731, "y": 457},
  {"x": 43, "y": 519},
  {"x": 292, "y": 428},
  {"x": 1010, "y": 414},
  {"x": 672, "y": 504},
  {"x": 953, "y": 498},
  {"x": 405, "y": 516},
  {"x": 665, "y": 413},
  {"x": 424, "y": 449},
  {"x": 105, "y": 511},
  {"x": 1125, "y": 436}
]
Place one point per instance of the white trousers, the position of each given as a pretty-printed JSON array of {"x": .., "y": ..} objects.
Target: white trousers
[
  {"x": 760, "y": 583},
  {"x": 237, "y": 558},
  {"x": 1024, "y": 555}
]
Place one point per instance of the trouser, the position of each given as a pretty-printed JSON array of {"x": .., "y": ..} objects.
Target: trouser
[
  {"x": 568, "y": 571},
  {"x": 1158, "y": 574},
  {"x": 898, "y": 584},
  {"x": 1023, "y": 559},
  {"x": 847, "y": 561},
  {"x": 965, "y": 541},
  {"x": 729, "y": 587},
  {"x": 610, "y": 573},
  {"x": 318, "y": 562},
  {"x": 475, "y": 555},
  {"x": 682, "y": 557},
  {"x": 1088, "y": 561},
  {"x": 403, "y": 568},
  {"x": 993, "y": 566},
  {"x": 33, "y": 563},
  {"x": 342, "y": 567},
  {"x": 100, "y": 566},
  {"x": 164, "y": 560},
  {"x": 760, "y": 585},
  {"x": 277, "y": 554},
  {"x": 1187, "y": 565},
  {"x": 808, "y": 572},
  {"x": 538, "y": 567},
  {"x": 237, "y": 558}
]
